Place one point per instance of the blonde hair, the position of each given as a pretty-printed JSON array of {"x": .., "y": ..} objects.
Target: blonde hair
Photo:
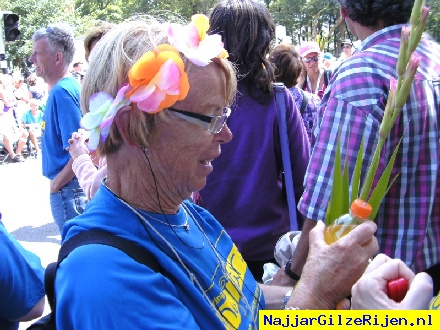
[{"x": 110, "y": 62}]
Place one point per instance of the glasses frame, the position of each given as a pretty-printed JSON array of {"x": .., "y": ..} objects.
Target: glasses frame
[
  {"x": 214, "y": 124},
  {"x": 310, "y": 59}
]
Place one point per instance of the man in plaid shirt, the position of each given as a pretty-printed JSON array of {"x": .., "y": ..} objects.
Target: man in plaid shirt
[{"x": 409, "y": 217}]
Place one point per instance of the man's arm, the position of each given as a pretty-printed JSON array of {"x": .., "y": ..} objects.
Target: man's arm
[
  {"x": 299, "y": 257},
  {"x": 302, "y": 250},
  {"x": 343, "y": 262},
  {"x": 62, "y": 178}
]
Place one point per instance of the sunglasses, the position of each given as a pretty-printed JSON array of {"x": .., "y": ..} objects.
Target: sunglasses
[
  {"x": 213, "y": 124},
  {"x": 310, "y": 59}
]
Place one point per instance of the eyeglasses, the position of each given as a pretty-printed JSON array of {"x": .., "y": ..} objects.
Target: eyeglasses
[
  {"x": 310, "y": 59},
  {"x": 213, "y": 124}
]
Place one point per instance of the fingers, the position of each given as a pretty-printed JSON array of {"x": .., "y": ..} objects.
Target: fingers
[
  {"x": 394, "y": 269},
  {"x": 363, "y": 235},
  {"x": 419, "y": 294},
  {"x": 317, "y": 233},
  {"x": 379, "y": 260}
]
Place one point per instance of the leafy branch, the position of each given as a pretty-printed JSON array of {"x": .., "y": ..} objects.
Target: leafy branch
[{"x": 407, "y": 65}]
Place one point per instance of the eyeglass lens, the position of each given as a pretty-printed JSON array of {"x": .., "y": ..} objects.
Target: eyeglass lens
[
  {"x": 217, "y": 122},
  {"x": 310, "y": 59}
]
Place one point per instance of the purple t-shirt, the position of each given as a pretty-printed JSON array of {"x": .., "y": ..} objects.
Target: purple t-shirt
[{"x": 244, "y": 192}]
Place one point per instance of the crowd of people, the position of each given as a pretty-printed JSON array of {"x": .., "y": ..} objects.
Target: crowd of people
[
  {"x": 172, "y": 142},
  {"x": 17, "y": 100}
]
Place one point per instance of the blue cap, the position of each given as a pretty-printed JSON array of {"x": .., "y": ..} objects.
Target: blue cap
[{"x": 328, "y": 56}]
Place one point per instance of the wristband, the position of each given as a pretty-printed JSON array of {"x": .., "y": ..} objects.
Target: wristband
[{"x": 289, "y": 272}]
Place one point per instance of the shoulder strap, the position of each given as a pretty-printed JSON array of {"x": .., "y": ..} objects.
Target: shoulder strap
[
  {"x": 327, "y": 75},
  {"x": 133, "y": 250},
  {"x": 304, "y": 102},
  {"x": 285, "y": 153}
]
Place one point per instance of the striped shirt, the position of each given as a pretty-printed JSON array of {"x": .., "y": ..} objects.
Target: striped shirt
[{"x": 409, "y": 216}]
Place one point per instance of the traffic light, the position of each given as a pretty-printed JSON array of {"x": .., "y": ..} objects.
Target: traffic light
[{"x": 10, "y": 26}]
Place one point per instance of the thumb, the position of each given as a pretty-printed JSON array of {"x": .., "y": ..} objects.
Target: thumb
[{"x": 419, "y": 294}]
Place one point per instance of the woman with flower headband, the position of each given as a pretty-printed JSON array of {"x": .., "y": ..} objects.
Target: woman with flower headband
[{"x": 156, "y": 108}]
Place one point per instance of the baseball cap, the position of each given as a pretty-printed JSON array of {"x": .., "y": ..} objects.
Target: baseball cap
[
  {"x": 346, "y": 41},
  {"x": 307, "y": 48},
  {"x": 327, "y": 56}
]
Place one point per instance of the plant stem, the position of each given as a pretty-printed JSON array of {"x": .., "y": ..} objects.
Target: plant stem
[{"x": 368, "y": 182}]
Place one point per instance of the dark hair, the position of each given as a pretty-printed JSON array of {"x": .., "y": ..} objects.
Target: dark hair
[
  {"x": 287, "y": 64},
  {"x": 95, "y": 34},
  {"x": 370, "y": 12},
  {"x": 247, "y": 30}
]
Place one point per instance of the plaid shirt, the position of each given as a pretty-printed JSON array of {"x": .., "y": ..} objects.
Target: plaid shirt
[{"x": 409, "y": 217}]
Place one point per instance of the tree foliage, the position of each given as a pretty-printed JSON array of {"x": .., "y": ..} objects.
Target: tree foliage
[{"x": 304, "y": 20}]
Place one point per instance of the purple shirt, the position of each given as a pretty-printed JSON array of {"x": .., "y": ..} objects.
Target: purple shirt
[
  {"x": 310, "y": 110},
  {"x": 244, "y": 191},
  {"x": 409, "y": 217}
]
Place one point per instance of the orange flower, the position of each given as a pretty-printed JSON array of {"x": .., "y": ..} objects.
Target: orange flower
[{"x": 158, "y": 79}]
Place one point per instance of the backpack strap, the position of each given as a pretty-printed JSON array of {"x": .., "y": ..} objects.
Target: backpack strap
[
  {"x": 327, "y": 75},
  {"x": 285, "y": 152},
  {"x": 95, "y": 236},
  {"x": 304, "y": 102}
]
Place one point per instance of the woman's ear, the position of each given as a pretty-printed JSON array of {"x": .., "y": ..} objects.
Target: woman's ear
[{"x": 121, "y": 121}]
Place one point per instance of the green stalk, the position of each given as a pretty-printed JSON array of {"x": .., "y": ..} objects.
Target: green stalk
[{"x": 366, "y": 187}]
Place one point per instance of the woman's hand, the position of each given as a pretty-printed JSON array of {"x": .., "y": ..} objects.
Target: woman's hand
[
  {"x": 370, "y": 292},
  {"x": 77, "y": 144}
]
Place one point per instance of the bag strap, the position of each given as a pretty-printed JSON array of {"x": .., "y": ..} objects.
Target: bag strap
[
  {"x": 285, "y": 153},
  {"x": 95, "y": 236},
  {"x": 304, "y": 102},
  {"x": 327, "y": 75}
]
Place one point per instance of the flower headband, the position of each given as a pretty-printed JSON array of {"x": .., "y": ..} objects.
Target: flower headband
[{"x": 158, "y": 79}]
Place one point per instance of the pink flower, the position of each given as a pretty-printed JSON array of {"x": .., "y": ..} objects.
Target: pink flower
[
  {"x": 393, "y": 84},
  {"x": 192, "y": 40}
]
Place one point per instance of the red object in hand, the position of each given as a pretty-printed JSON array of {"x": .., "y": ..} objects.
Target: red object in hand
[{"x": 397, "y": 289}]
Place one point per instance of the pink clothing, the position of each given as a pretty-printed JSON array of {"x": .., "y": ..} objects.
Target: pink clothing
[{"x": 89, "y": 177}]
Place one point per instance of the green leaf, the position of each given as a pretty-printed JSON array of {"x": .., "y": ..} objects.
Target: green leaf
[
  {"x": 382, "y": 185},
  {"x": 356, "y": 179},
  {"x": 338, "y": 203}
]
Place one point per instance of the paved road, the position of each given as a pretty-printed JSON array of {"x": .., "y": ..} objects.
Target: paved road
[{"x": 24, "y": 204}]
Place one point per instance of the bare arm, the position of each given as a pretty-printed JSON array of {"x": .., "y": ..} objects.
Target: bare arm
[
  {"x": 343, "y": 262},
  {"x": 299, "y": 257}
]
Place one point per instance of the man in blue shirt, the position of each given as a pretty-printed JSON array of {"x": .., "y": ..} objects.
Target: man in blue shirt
[{"x": 52, "y": 53}]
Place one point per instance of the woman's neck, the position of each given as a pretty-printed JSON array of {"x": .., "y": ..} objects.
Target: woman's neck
[
  {"x": 315, "y": 82},
  {"x": 129, "y": 177}
]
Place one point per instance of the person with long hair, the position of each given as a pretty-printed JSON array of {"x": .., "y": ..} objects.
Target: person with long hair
[{"x": 246, "y": 193}]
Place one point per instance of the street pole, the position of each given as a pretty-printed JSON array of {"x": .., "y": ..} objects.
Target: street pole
[{"x": 3, "y": 63}]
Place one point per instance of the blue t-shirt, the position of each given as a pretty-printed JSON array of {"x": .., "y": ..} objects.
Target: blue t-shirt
[
  {"x": 21, "y": 280},
  {"x": 100, "y": 287},
  {"x": 28, "y": 118},
  {"x": 61, "y": 118}
]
